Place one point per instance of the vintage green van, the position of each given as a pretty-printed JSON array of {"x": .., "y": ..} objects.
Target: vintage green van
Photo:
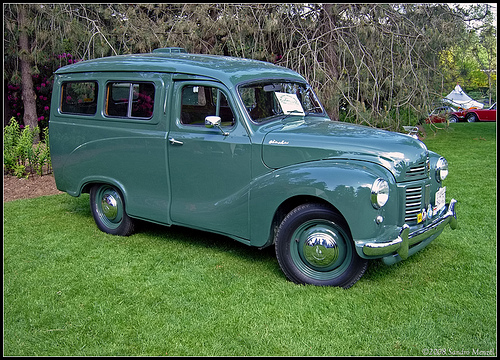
[{"x": 244, "y": 149}]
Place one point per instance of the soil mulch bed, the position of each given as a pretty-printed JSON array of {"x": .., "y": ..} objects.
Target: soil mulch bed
[{"x": 34, "y": 186}]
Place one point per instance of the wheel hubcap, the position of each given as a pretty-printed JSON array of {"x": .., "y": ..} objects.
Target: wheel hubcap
[
  {"x": 109, "y": 206},
  {"x": 320, "y": 249}
]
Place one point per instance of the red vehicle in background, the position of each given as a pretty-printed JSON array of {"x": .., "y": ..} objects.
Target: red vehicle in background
[
  {"x": 490, "y": 114},
  {"x": 457, "y": 116},
  {"x": 443, "y": 114}
]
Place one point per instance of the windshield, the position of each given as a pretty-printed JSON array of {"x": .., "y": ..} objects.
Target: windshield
[{"x": 267, "y": 100}]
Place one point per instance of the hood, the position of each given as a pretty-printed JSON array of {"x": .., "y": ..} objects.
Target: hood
[{"x": 302, "y": 141}]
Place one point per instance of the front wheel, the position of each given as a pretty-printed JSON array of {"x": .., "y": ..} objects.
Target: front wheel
[
  {"x": 314, "y": 246},
  {"x": 471, "y": 117},
  {"x": 108, "y": 210}
]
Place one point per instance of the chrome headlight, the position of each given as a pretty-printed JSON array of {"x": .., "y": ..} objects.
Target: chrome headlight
[
  {"x": 441, "y": 169},
  {"x": 380, "y": 193}
]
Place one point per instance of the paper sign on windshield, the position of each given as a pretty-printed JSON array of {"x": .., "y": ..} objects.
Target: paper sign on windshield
[{"x": 289, "y": 103}]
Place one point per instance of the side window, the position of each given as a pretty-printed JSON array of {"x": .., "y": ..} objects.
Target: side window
[
  {"x": 132, "y": 100},
  {"x": 198, "y": 102},
  {"x": 79, "y": 97}
]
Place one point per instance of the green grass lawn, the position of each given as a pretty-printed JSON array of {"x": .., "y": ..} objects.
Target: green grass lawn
[{"x": 72, "y": 290}]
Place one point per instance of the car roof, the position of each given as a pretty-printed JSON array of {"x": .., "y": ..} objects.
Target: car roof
[{"x": 229, "y": 70}]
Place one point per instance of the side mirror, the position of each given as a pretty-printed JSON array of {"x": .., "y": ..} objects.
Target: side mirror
[{"x": 211, "y": 121}]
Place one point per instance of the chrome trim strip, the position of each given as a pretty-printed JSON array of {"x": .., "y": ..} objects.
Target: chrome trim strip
[{"x": 402, "y": 243}]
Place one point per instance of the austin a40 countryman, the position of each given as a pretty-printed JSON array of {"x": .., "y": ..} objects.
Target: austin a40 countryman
[{"x": 244, "y": 149}]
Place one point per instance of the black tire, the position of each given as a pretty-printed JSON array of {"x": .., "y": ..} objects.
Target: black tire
[
  {"x": 453, "y": 119},
  {"x": 471, "y": 117},
  {"x": 314, "y": 246},
  {"x": 108, "y": 210}
]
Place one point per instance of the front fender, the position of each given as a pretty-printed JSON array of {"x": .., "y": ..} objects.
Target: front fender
[{"x": 345, "y": 184}]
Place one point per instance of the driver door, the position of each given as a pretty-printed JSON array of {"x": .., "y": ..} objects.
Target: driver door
[{"x": 209, "y": 167}]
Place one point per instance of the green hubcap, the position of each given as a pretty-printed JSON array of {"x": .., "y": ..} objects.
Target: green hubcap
[{"x": 320, "y": 249}]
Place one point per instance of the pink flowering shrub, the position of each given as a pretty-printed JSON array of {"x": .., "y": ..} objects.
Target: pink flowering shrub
[{"x": 43, "y": 78}]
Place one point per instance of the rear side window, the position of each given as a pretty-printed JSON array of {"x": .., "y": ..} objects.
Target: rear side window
[
  {"x": 130, "y": 100},
  {"x": 79, "y": 97}
]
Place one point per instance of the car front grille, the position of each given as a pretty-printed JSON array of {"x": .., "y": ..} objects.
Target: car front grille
[
  {"x": 413, "y": 203},
  {"x": 418, "y": 170}
]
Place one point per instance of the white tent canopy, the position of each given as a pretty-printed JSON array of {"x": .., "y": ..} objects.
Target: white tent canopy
[{"x": 458, "y": 98}]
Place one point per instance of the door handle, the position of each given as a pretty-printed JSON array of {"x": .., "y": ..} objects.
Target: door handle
[{"x": 175, "y": 142}]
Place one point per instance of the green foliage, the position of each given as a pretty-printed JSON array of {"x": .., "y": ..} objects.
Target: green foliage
[
  {"x": 471, "y": 61},
  {"x": 71, "y": 290},
  {"x": 24, "y": 148},
  {"x": 390, "y": 120},
  {"x": 21, "y": 156},
  {"x": 46, "y": 151},
  {"x": 11, "y": 134},
  {"x": 365, "y": 60},
  {"x": 39, "y": 156}
]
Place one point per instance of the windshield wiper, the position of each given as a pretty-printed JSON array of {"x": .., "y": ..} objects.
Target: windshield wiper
[
  {"x": 313, "y": 110},
  {"x": 292, "y": 112}
]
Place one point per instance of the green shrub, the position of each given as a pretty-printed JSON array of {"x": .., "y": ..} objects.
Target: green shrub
[
  {"x": 21, "y": 156},
  {"x": 11, "y": 135}
]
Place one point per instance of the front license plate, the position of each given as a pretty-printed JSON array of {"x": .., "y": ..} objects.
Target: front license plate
[{"x": 440, "y": 200}]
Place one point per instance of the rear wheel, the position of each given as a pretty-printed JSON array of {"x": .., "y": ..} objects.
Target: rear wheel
[
  {"x": 108, "y": 210},
  {"x": 314, "y": 246}
]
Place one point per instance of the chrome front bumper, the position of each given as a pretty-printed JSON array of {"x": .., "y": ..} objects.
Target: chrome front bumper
[{"x": 399, "y": 249}]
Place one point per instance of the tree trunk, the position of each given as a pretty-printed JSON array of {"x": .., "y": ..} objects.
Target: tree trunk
[{"x": 28, "y": 92}]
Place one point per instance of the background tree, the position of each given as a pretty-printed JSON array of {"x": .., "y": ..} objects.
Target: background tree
[
  {"x": 485, "y": 51},
  {"x": 26, "y": 61},
  {"x": 383, "y": 65}
]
